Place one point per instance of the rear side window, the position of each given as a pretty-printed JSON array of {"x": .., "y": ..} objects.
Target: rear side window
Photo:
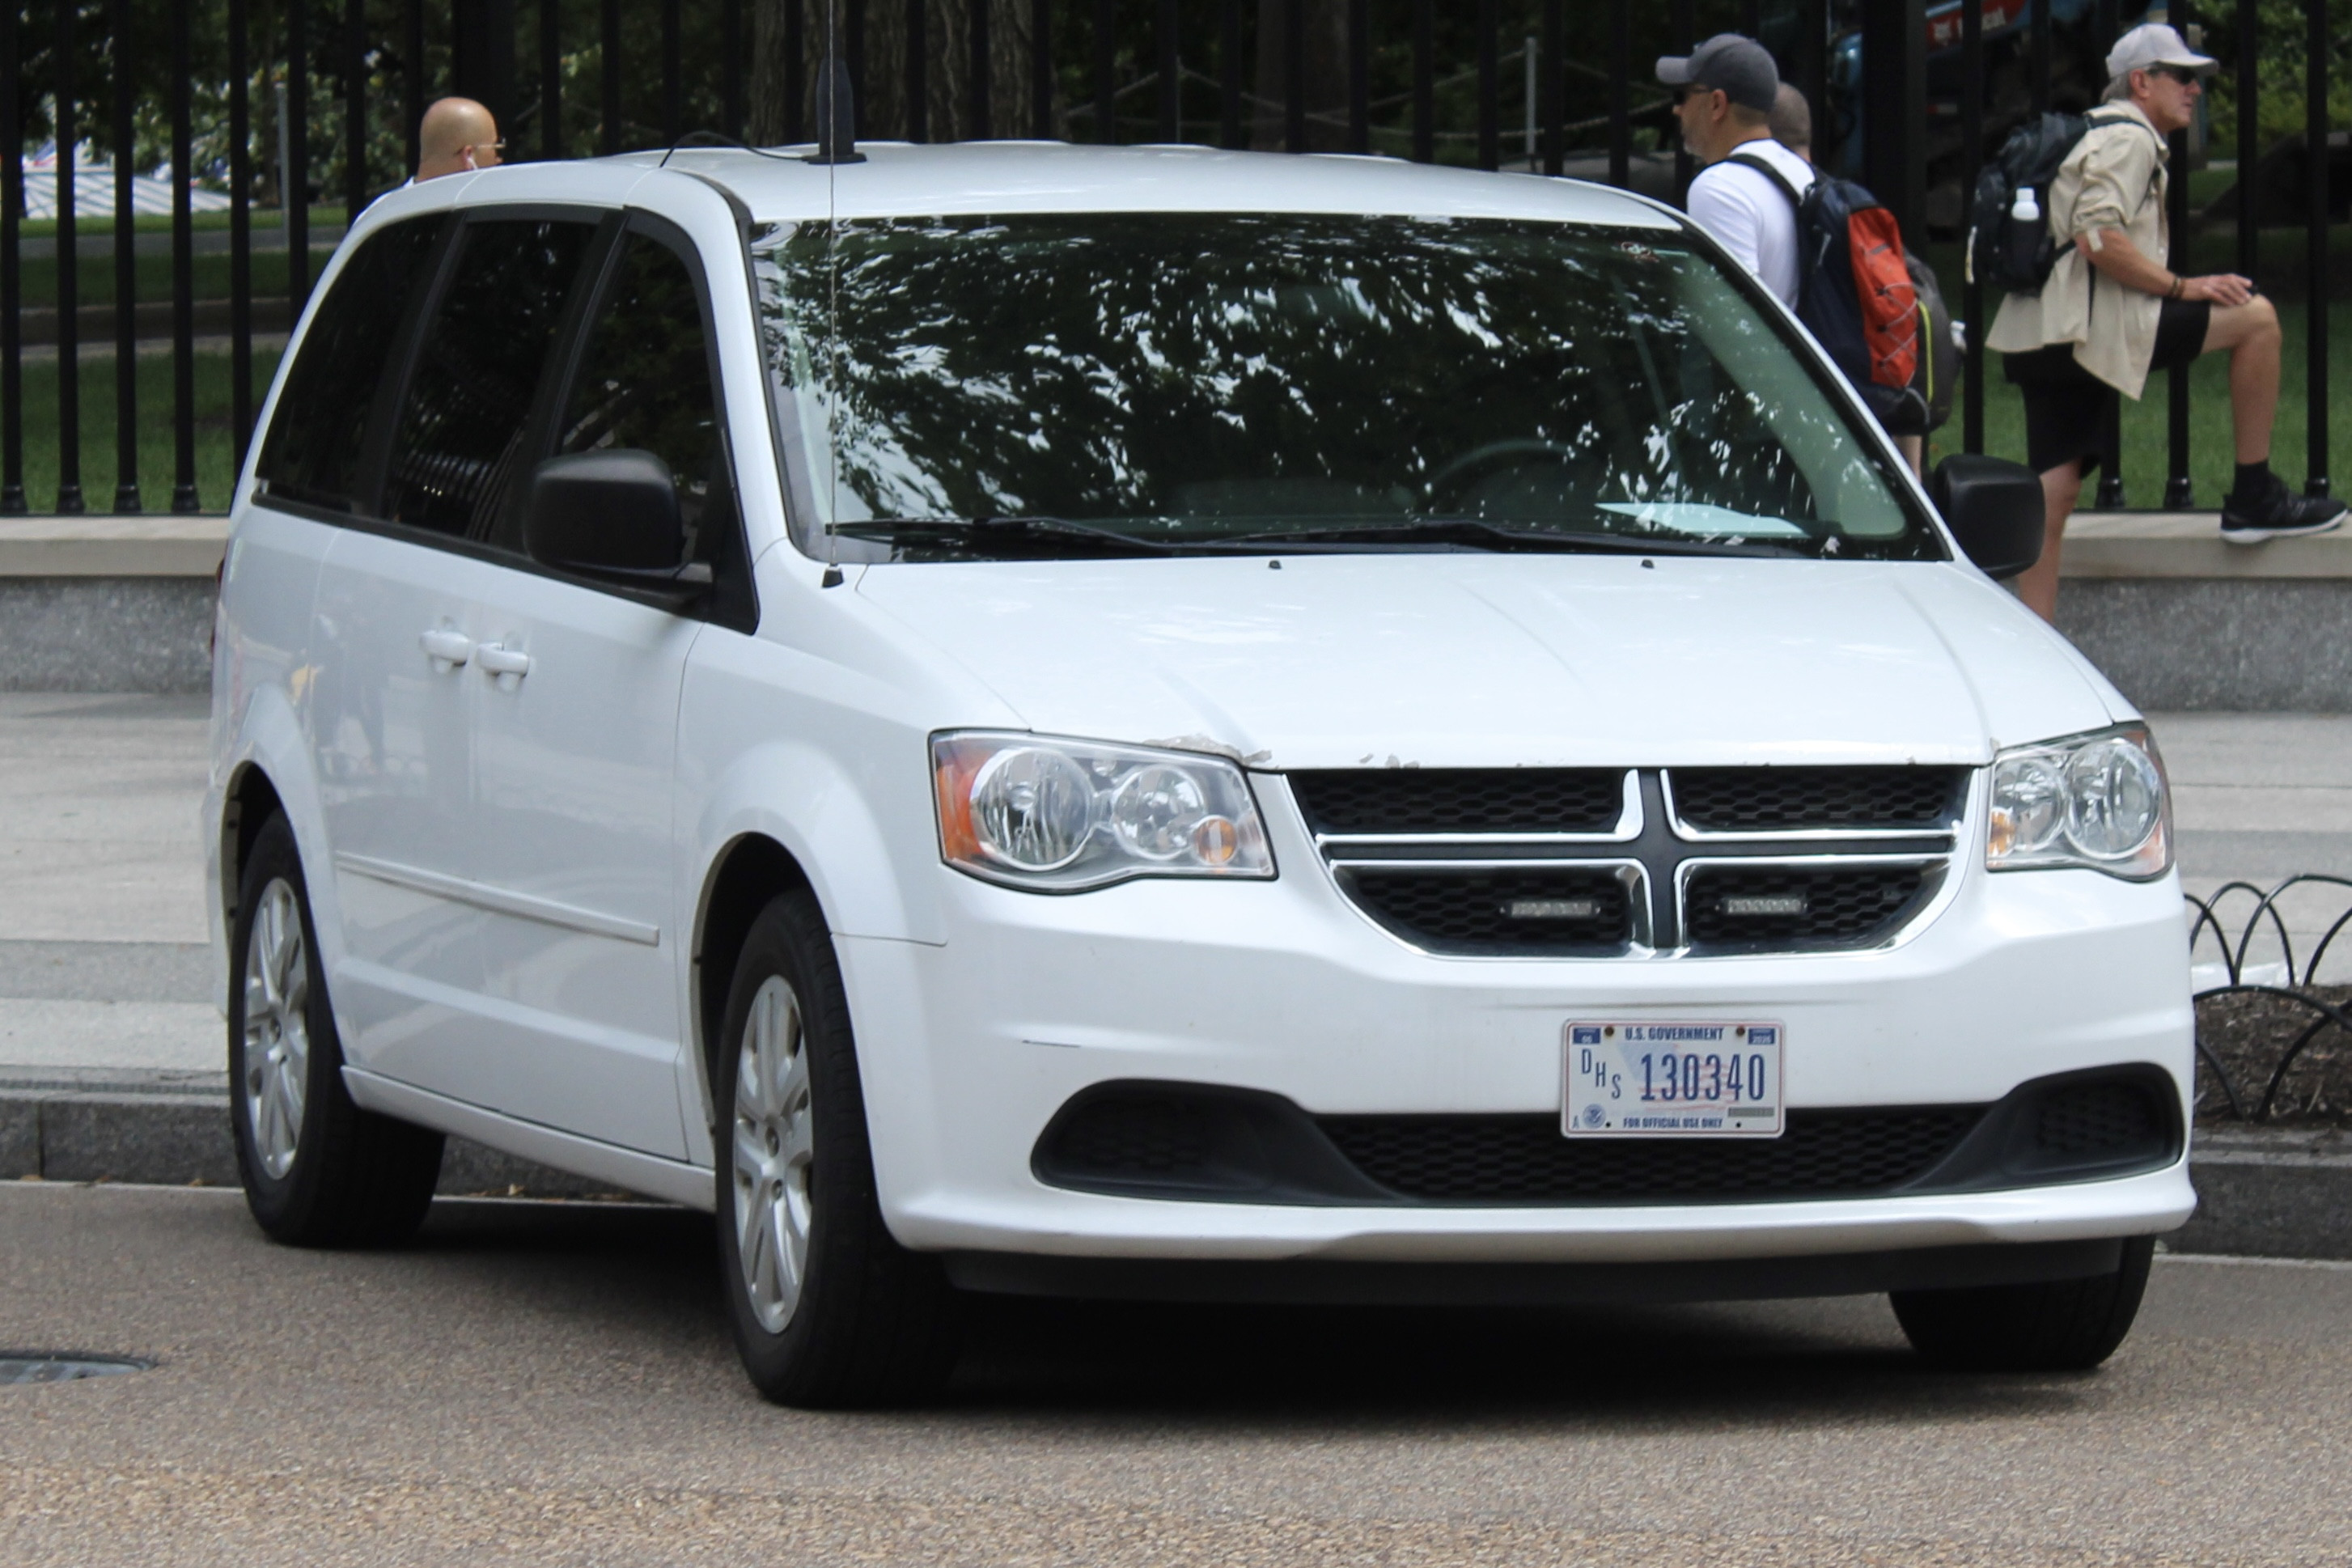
[
  {"x": 458, "y": 439},
  {"x": 313, "y": 452},
  {"x": 645, "y": 382}
]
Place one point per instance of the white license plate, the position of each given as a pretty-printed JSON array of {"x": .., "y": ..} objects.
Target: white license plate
[{"x": 1672, "y": 1079}]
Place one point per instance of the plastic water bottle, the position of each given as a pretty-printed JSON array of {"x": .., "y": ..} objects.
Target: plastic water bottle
[{"x": 2026, "y": 233}]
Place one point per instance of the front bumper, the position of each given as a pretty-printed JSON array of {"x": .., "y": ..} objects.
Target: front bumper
[{"x": 970, "y": 1047}]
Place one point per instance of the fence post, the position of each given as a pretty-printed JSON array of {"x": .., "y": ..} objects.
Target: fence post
[
  {"x": 12, "y": 284},
  {"x": 1621, "y": 65},
  {"x": 1359, "y": 76},
  {"x": 796, "y": 55},
  {"x": 240, "y": 234},
  {"x": 2179, "y": 494},
  {"x": 69, "y": 277},
  {"x": 1171, "y": 81},
  {"x": 1041, "y": 69},
  {"x": 730, "y": 68},
  {"x": 551, "y": 80},
  {"x": 355, "y": 179},
  {"x": 1107, "y": 71},
  {"x": 2107, "y": 19},
  {"x": 1294, "y": 75},
  {"x": 1424, "y": 82},
  {"x": 1490, "y": 138},
  {"x": 1894, "y": 107},
  {"x": 1685, "y": 23},
  {"x": 295, "y": 195},
  {"x": 183, "y": 283},
  {"x": 126, "y": 278},
  {"x": 918, "y": 84},
  {"x": 608, "y": 70},
  {"x": 2249, "y": 132},
  {"x": 1972, "y": 299},
  {"x": 673, "y": 70},
  {"x": 1554, "y": 106},
  {"x": 2314, "y": 171},
  {"x": 1229, "y": 75},
  {"x": 412, "y": 83}
]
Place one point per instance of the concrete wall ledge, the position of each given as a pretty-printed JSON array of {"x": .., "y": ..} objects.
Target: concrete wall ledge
[{"x": 2178, "y": 620}]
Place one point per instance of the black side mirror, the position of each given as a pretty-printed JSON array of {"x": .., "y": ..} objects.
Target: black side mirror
[
  {"x": 1994, "y": 508},
  {"x": 605, "y": 512}
]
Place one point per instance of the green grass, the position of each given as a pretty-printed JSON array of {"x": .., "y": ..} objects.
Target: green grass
[
  {"x": 101, "y": 221},
  {"x": 215, "y": 448},
  {"x": 153, "y": 275}
]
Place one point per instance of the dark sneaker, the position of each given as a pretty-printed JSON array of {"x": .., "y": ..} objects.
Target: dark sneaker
[{"x": 2279, "y": 513}]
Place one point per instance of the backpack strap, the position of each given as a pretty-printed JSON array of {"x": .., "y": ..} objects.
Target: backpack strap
[{"x": 1749, "y": 161}]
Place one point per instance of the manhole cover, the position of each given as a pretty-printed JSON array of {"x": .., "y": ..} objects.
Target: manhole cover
[{"x": 63, "y": 1366}]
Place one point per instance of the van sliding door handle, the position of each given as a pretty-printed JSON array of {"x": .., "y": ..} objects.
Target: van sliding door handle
[
  {"x": 497, "y": 660},
  {"x": 447, "y": 647}
]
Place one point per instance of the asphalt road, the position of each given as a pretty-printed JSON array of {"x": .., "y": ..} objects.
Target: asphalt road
[{"x": 537, "y": 1383}]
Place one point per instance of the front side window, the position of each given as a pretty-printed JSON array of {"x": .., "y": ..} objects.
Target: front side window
[
  {"x": 314, "y": 451},
  {"x": 457, "y": 444},
  {"x": 1061, "y": 384},
  {"x": 645, "y": 382}
]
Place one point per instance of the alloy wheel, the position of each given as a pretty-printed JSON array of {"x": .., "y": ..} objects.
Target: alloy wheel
[
  {"x": 772, "y": 1154},
  {"x": 277, "y": 1027}
]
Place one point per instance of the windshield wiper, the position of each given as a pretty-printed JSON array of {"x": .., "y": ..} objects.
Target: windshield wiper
[
  {"x": 1473, "y": 533},
  {"x": 1023, "y": 533}
]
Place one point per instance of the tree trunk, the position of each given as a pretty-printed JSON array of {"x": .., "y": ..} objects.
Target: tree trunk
[{"x": 882, "y": 96}]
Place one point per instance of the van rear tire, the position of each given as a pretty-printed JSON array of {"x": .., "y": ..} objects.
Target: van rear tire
[{"x": 318, "y": 1171}]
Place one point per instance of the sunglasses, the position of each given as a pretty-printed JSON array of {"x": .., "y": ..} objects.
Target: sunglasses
[{"x": 2181, "y": 74}]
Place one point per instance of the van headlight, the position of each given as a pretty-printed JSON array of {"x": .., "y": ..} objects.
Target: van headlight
[
  {"x": 2099, "y": 800},
  {"x": 1059, "y": 815}
]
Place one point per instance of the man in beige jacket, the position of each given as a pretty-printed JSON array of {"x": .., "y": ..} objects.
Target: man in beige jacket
[{"x": 2112, "y": 311}]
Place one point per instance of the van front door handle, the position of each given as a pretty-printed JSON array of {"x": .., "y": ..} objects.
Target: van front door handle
[
  {"x": 447, "y": 647},
  {"x": 497, "y": 660}
]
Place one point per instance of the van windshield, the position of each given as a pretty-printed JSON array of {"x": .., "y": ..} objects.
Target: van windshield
[{"x": 1059, "y": 384}]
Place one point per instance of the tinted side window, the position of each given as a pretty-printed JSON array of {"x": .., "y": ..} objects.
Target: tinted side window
[
  {"x": 645, "y": 382},
  {"x": 462, "y": 425},
  {"x": 313, "y": 449}
]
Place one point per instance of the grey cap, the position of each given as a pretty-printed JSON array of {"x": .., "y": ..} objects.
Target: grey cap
[{"x": 1739, "y": 67}]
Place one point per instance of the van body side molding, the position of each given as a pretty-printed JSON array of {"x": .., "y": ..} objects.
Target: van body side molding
[{"x": 499, "y": 899}]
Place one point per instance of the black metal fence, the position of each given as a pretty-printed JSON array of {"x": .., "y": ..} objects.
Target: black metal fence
[{"x": 1553, "y": 87}]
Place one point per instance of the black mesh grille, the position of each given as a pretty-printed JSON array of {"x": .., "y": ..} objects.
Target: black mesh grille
[
  {"x": 1461, "y": 800},
  {"x": 1768, "y": 800},
  {"x": 1135, "y": 1137},
  {"x": 1738, "y": 905},
  {"x": 1535, "y": 912},
  {"x": 1525, "y": 1159},
  {"x": 2100, "y": 1119}
]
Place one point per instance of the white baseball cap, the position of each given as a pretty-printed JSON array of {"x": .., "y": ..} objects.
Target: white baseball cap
[{"x": 2153, "y": 44}]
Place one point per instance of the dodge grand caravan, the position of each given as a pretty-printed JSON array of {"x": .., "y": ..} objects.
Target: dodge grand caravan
[{"x": 1178, "y": 725}]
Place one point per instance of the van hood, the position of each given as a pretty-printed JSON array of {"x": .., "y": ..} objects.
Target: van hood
[{"x": 1500, "y": 660}]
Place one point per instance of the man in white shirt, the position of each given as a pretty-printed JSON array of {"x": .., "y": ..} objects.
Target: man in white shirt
[{"x": 1729, "y": 84}]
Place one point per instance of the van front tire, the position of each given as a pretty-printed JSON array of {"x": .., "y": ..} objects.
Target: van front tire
[
  {"x": 827, "y": 1309},
  {"x": 2056, "y": 1325}
]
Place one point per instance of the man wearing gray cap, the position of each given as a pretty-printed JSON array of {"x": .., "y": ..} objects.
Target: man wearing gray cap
[
  {"x": 1729, "y": 84},
  {"x": 2113, "y": 311}
]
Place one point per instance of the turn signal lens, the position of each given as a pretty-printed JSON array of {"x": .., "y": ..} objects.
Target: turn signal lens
[
  {"x": 1059, "y": 816},
  {"x": 2098, "y": 801}
]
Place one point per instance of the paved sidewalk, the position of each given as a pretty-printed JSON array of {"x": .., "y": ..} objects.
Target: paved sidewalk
[
  {"x": 102, "y": 956},
  {"x": 104, "y": 966}
]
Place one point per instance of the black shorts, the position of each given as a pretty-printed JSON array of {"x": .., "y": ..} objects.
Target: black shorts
[{"x": 2067, "y": 408}]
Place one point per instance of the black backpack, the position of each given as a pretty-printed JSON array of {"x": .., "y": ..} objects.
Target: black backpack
[{"x": 1997, "y": 254}]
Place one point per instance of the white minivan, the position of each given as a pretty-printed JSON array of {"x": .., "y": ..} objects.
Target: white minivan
[{"x": 1166, "y": 724}]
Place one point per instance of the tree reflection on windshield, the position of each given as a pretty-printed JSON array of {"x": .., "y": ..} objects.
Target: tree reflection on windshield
[{"x": 1194, "y": 376}]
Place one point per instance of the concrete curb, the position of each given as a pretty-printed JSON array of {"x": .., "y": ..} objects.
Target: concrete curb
[
  {"x": 163, "y": 1129},
  {"x": 2261, "y": 1193}
]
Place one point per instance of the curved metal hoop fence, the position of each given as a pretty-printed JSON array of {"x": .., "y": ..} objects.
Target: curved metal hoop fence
[{"x": 2296, "y": 983}]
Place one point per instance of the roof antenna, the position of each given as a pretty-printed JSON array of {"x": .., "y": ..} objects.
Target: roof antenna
[{"x": 837, "y": 116}]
